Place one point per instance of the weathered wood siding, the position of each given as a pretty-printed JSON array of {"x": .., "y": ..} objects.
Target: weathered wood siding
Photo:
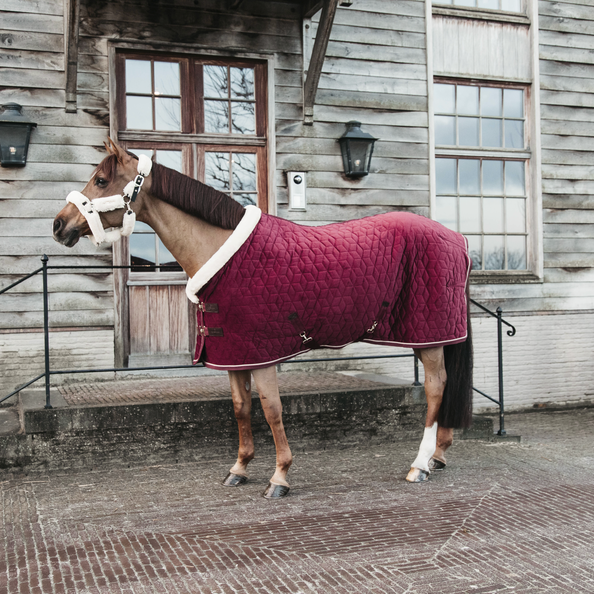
[
  {"x": 375, "y": 72},
  {"x": 63, "y": 151}
]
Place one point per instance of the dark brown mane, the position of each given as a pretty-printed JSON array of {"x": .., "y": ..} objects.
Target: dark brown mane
[
  {"x": 185, "y": 193},
  {"x": 195, "y": 198}
]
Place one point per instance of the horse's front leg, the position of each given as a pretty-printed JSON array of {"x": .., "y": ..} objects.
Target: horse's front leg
[
  {"x": 435, "y": 381},
  {"x": 241, "y": 392},
  {"x": 273, "y": 411}
]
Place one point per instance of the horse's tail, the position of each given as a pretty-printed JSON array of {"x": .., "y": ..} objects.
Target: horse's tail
[{"x": 456, "y": 406}]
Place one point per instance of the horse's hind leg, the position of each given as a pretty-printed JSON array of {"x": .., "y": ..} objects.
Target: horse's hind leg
[
  {"x": 435, "y": 381},
  {"x": 241, "y": 392},
  {"x": 445, "y": 438},
  {"x": 273, "y": 411}
]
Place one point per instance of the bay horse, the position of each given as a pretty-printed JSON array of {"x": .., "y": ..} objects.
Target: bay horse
[{"x": 410, "y": 273}]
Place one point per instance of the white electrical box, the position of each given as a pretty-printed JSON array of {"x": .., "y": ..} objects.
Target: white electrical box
[{"x": 297, "y": 188}]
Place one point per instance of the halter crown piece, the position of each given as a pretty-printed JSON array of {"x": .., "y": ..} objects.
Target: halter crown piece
[{"x": 90, "y": 209}]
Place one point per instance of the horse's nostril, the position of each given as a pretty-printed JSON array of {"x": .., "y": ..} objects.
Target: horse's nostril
[{"x": 57, "y": 225}]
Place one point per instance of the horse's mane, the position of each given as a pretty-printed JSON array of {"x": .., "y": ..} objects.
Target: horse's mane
[{"x": 185, "y": 193}]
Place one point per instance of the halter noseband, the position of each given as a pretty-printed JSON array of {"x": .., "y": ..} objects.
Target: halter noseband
[{"x": 90, "y": 209}]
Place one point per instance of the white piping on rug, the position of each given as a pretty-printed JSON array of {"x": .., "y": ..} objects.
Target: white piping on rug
[{"x": 239, "y": 236}]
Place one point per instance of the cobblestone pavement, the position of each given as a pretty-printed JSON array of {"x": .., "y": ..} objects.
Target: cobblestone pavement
[{"x": 502, "y": 517}]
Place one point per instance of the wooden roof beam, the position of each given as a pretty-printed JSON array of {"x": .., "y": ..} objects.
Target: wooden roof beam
[
  {"x": 71, "y": 51},
  {"x": 317, "y": 59}
]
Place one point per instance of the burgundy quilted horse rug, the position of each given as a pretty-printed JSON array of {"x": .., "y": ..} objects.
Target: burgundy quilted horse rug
[{"x": 276, "y": 289}]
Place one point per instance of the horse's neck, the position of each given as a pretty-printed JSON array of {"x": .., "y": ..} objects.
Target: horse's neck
[{"x": 192, "y": 241}]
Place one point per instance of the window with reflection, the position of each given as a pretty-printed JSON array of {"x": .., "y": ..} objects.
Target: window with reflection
[
  {"x": 213, "y": 109},
  {"x": 153, "y": 95},
  {"x": 505, "y": 5},
  {"x": 481, "y": 163}
]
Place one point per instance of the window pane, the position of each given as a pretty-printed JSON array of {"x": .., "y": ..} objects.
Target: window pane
[
  {"x": 468, "y": 131},
  {"x": 217, "y": 170},
  {"x": 515, "y": 215},
  {"x": 492, "y": 4},
  {"x": 215, "y": 81},
  {"x": 171, "y": 159},
  {"x": 514, "y": 178},
  {"x": 445, "y": 98},
  {"x": 167, "y": 78},
  {"x": 493, "y": 215},
  {"x": 491, "y": 132},
  {"x": 243, "y": 121},
  {"x": 244, "y": 172},
  {"x": 139, "y": 113},
  {"x": 493, "y": 178},
  {"x": 516, "y": 252},
  {"x": 470, "y": 215},
  {"x": 445, "y": 132},
  {"x": 445, "y": 211},
  {"x": 511, "y": 5},
  {"x": 167, "y": 114},
  {"x": 474, "y": 251},
  {"x": 514, "y": 133},
  {"x": 139, "y": 151},
  {"x": 216, "y": 117},
  {"x": 490, "y": 101},
  {"x": 494, "y": 252},
  {"x": 142, "y": 248},
  {"x": 166, "y": 257},
  {"x": 246, "y": 199},
  {"x": 469, "y": 176},
  {"x": 142, "y": 228},
  {"x": 445, "y": 173},
  {"x": 242, "y": 83},
  {"x": 513, "y": 103},
  {"x": 465, "y": 2},
  {"x": 468, "y": 100},
  {"x": 138, "y": 76}
]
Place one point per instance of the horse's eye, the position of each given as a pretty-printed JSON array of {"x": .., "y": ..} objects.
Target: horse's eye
[{"x": 101, "y": 182}]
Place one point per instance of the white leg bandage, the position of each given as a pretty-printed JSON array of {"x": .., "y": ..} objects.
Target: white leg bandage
[{"x": 426, "y": 449}]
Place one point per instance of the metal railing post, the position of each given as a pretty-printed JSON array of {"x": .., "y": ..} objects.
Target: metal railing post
[
  {"x": 44, "y": 260},
  {"x": 416, "y": 382},
  {"x": 500, "y": 365}
]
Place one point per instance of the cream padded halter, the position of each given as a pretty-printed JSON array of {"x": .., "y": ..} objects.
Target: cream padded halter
[{"x": 90, "y": 209}]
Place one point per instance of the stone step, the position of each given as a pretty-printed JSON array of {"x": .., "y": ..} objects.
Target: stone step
[{"x": 151, "y": 421}]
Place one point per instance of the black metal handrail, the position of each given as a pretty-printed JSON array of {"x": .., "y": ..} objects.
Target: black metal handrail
[{"x": 48, "y": 372}]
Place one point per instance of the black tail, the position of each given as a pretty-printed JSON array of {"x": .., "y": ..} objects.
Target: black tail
[{"x": 456, "y": 406}]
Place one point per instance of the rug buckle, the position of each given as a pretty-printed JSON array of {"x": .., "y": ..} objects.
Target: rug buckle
[
  {"x": 305, "y": 337},
  {"x": 373, "y": 327}
]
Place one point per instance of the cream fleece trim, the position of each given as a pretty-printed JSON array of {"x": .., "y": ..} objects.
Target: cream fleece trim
[{"x": 247, "y": 224}]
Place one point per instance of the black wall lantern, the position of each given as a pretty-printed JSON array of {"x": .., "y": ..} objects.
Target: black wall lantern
[
  {"x": 15, "y": 132},
  {"x": 356, "y": 147}
]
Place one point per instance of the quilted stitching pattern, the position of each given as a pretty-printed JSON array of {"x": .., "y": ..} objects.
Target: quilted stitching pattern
[{"x": 404, "y": 271}]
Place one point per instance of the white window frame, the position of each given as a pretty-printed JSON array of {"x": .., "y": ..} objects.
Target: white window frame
[{"x": 534, "y": 222}]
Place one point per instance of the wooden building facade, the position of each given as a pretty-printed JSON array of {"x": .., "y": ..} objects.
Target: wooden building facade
[{"x": 484, "y": 111}]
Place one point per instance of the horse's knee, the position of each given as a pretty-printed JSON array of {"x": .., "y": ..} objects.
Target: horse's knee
[{"x": 242, "y": 410}]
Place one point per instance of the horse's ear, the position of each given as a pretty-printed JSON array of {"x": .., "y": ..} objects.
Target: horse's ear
[{"x": 113, "y": 149}]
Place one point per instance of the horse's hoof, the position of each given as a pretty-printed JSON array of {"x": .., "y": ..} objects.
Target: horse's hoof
[
  {"x": 435, "y": 464},
  {"x": 234, "y": 480},
  {"x": 416, "y": 475},
  {"x": 275, "y": 491}
]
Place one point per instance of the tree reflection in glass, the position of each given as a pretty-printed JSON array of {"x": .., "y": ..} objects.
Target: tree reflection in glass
[
  {"x": 229, "y": 100},
  {"x": 234, "y": 174}
]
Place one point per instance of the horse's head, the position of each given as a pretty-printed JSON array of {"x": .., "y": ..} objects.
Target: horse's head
[{"x": 109, "y": 181}]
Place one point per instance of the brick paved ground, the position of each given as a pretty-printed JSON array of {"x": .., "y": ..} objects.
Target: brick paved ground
[{"x": 502, "y": 518}]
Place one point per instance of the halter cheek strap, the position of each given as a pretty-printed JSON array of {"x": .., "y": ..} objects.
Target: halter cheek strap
[{"x": 90, "y": 209}]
